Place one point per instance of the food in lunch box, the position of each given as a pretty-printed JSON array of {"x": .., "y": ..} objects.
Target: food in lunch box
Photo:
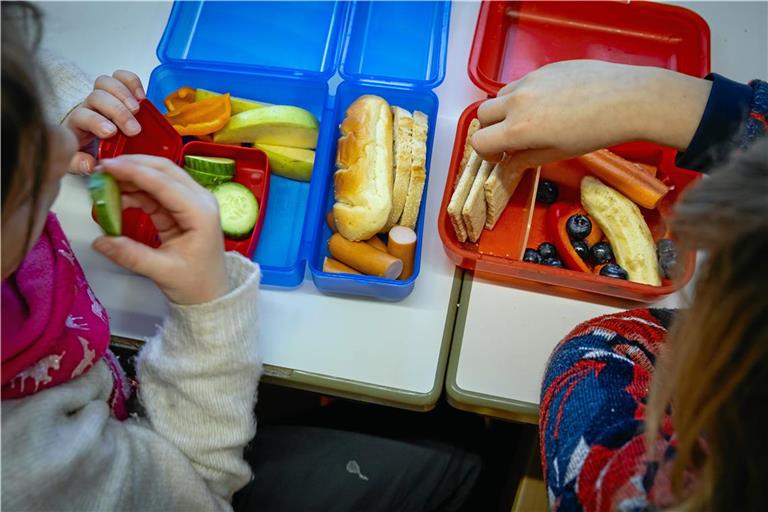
[
  {"x": 532, "y": 256},
  {"x": 209, "y": 171},
  {"x": 238, "y": 209},
  {"x": 624, "y": 226},
  {"x": 630, "y": 179},
  {"x": 364, "y": 258},
  {"x": 460, "y": 193},
  {"x": 547, "y": 192},
  {"x": 581, "y": 249},
  {"x": 613, "y": 270},
  {"x": 179, "y": 98},
  {"x": 401, "y": 244},
  {"x": 281, "y": 125},
  {"x": 547, "y": 250},
  {"x": 418, "y": 170},
  {"x": 238, "y": 104},
  {"x": 667, "y": 254},
  {"x": 578, "y": 227},
  {"x": 377, "y": 243},
  {"x": 482, "y": 192},
  {"x": 293, "y": 163},
  {"x": 474, "y": 211},
  {"x": 333, "y": 266},
  {"x": 601, "y": 253},
  {"x": 567, "y": 223},
  {"x": 403, "y": 156},
  {"x": 200, "y": 117},
  {"x": 363, "y": 181},
  {"x": 474, "y": 125},
  {"x": 105, "y": 195},
  {"x": 499, "y": 187},
  {"x": 552, "y": 262}
]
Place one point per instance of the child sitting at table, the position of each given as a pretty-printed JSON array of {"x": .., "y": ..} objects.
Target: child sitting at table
[
  {"x": 651, "y": 409},
  {"x": 69, "y": 440}
]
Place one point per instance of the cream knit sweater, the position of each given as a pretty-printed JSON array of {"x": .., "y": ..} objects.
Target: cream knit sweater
[{"x": 62, "y": 450}]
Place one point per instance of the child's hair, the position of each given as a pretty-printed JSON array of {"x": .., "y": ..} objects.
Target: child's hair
[
  {"x": 25, "y": 134},
  {"x": 714, "y": 371}
]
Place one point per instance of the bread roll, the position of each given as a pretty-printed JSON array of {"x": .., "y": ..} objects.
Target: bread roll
[{"x": 363, "y": 181}]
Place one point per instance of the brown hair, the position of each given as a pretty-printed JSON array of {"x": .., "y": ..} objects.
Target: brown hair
[
  {"x": 25, "y": 135},
  {"x": 714, "y": 371}
]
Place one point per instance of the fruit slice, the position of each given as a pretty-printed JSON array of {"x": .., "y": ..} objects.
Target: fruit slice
[
  {"x": 626, "y": 230},
  {"x": 106, "y": 203},
  {"x": 238, "y": 209},
  {"x": 281, "y": 125},
  {"x": 206, "y": 179},
  {"x": 293, "y": 163},
  {"x": 238, "y": 104},
  {"x": 211, "y": 165}
]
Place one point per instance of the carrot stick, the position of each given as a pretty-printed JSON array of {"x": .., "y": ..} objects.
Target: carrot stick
[
  {"x": 650, "y": 169},
  {"x": 626, "y": 177}
]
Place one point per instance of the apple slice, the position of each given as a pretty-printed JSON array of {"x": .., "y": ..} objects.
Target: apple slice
[{"x": 280, "y": 125}]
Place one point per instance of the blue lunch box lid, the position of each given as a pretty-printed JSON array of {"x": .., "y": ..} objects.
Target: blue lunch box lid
[{"x": 281, "y": 38}]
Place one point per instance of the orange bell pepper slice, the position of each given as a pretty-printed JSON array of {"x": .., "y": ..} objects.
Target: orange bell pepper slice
[
  {"x": 178, "y": 99},
  {"x": 557, "y": 218},
  {"x": 201, "y": 117}
]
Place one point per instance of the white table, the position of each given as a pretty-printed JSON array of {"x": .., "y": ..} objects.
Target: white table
[
  {"x": 504, "y": 335},
  {"x": 383, "y": 352}
]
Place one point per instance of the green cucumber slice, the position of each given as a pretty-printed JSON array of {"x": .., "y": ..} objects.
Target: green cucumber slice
[
  {"x": 206, "y": 179},
  {"x": 238, "y": 209},
  {"x": 211, "y": 165},
  {"x": 105, "y": 195}
]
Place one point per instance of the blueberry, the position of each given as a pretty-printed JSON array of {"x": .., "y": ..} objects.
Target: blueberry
[
  {"x": 552, "y": 262},
  {"x": 667, "y": 253},
  {"x": 581, "y": 248},
  {"x": 601, "y": 253},
  {"x": 613, "y": 270},
  {"x": 578, "y": 227},
  {"x": 547, "y": 250},
  {"x": 547, "y": 192},
  {"x": 532, "y": 256}
]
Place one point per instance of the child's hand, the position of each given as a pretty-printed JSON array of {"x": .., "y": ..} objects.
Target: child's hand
[
  {"x": 108, "y": 108},
  {"x": 189, "y": 265},
  {"x": 570, "y": 108}
]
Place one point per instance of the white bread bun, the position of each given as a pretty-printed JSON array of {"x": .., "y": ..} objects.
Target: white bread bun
[{"x": 363, "y": 181}]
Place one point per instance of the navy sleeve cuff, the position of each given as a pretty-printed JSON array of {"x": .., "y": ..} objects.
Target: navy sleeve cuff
[{"x": 726, "y": 111}]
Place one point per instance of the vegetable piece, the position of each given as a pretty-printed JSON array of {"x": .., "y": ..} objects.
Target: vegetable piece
[
  {"x": 626, "y": 177},
  {"x": 207, "y": 180},
  {"x": 201, "y": 117},
  {"x": 402, "y": 245},
  {"x": 106, "y": 203},
  {"x": 333, "y": 266},
  {"x": 179, "y": 98},
  {"x": 238, "y": 104},
  {"x": 238, "y": 209},
  {"x": 558, "y": 216},
  {"x": 211, "y": 165},
  {"x": 364, "y": 258},
  {"x": 625, "y": 228}
]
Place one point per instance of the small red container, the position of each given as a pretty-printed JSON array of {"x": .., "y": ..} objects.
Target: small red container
[
  {"x": 514, "y": 38},
  {"x": 158, "y": 138}
]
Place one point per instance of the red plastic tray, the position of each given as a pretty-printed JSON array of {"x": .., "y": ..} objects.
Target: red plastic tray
[
  {"x": 158, "y": 138},
  {"x": 514, "y": 38}
]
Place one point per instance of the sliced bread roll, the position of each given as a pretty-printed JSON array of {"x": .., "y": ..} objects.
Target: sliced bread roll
[
  {"x": 403, "y": 148},
  {"x": 499, "y": 187},
  {"x": 474, "y": 211},
  {"x": 363, "y": 181},
  {"x": 460, "y": 193},
  {"x": 418, "y": 170}
]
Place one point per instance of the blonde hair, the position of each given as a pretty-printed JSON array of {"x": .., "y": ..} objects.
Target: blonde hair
[{"x": 714, "y": 369}]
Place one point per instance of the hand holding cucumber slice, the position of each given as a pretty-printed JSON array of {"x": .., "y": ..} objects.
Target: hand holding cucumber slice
[
  {"x": 238, "y": 209},
  {"x": 106, "y": 203}
]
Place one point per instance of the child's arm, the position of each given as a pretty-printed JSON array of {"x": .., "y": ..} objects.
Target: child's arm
[
  {"x": 592, "y": 412},
  {"x": 63, "y": 451}
]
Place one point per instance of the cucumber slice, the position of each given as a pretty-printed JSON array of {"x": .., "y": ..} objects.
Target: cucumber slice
[
  {"x": 238, "y": 209},
  {"x": 106, "y": 203},
  {"x": 211, "y": 165},
  {"x": 206, "y": 179}
]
